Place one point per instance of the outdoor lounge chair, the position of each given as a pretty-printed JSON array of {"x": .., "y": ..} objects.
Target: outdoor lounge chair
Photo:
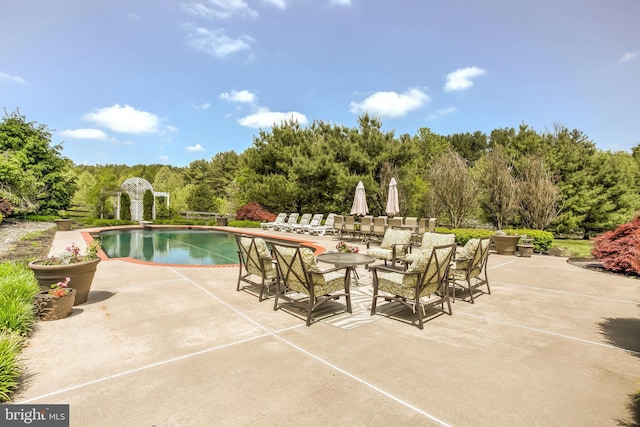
[
  {"x": 427, "y": 277},
  {"x": 327, "y": 227},
  {"x": 293, "y": 219},
  {"x": 304, "y": 220},
  {"x": 304, "y": 228},
  {"x": 256, "y": 264},
  {"x": 303, "y": 284},
  {"x": 394, "y": 245},
  {"x": 429, "y": 240},
  {"x": 279, "y": 220},
  {"x": 350, "y": 225},
  {"x": 366, "y": 227},
  {"x": 471, "y": 265}
]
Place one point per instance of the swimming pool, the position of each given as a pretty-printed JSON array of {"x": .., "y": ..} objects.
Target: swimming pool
[{"x": 182, "y": 246}]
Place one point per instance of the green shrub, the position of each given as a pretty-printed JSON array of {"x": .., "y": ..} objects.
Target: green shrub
[
  {"x": 10, "y": 346},
  {"x": 542, "y": 240},
  {"x": 463, "y": 235},
  {"x": 243, "y": 223},
  {"x": 18, "y": 287}
]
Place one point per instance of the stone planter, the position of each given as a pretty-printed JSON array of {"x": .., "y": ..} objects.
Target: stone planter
[
  {"x": 64, "y": 224},
  {"x": 525, "y": 250},
  {"x": 80, "y": 273},
  {"x": 505, "y": 244},
  {"x": 51, "y": 307}
]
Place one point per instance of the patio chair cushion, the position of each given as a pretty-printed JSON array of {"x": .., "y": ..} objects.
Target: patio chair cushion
[
  {"x": 404, "y": 285},
  {"x": 429, "y": 241},
  {"x": 323, "y": 283},
  {"x": 464, "y": 257},
  {"x": 263, "y": 252},
  {"x": 391, "y": 237}
]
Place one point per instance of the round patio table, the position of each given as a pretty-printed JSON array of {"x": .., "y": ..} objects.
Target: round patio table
[{"x": 346, "y": 259}]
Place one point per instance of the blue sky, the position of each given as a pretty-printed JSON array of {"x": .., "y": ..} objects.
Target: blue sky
[{"x": 173, "y": 81}]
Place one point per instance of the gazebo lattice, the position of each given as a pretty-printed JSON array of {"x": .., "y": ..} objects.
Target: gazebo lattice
[{"x": 135, "y": 188}]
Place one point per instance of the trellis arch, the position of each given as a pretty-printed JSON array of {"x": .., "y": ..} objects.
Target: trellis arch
[{"x": 135, "y": 188}]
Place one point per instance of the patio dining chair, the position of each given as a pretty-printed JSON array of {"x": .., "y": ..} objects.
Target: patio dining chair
[
  {"x": 338, "y": 225},
  {"x": 378, "y": 229},
  {"x": 394, "y": 246},
  {"x": 256, "y": 264},
  {"x": 366, "y": 227},
  {"x": 394, "y": 222},
  {"x": 350, "y": 225},
  {"x": 429, "y": 240},
  {"x": 427, "y": 277},
  {"x": 471, "y": 266},
  {"x": 303, "y": 284}
]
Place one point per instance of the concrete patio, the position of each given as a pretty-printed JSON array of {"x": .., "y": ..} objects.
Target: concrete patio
[{"x": 554, "y": 344}]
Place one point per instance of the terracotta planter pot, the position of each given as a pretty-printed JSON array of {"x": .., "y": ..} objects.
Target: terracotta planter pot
[
  {"x": 64, "y": 224},
  {"x": 54, "y": 308},
  {"x": 80, "y": 273},
  {"x": 505, "y": 245}
]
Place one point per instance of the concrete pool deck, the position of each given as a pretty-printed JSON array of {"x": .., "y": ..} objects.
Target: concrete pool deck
[{"x": 554, "y": 344}]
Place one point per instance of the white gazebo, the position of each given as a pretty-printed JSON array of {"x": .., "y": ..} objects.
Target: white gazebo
[{"x": 135, "y": 188}]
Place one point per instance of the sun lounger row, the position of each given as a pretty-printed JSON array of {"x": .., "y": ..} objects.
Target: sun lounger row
[{"x": 310, "y": 224}]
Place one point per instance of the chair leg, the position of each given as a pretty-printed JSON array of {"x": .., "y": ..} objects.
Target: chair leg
[{"x": 470, "y": 290}]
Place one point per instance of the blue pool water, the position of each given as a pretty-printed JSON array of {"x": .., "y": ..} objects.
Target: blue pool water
[{"x": 171, "y": 246}]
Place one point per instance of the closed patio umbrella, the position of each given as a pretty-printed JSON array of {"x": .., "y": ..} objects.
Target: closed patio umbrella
[
  {"x": 360, "y": 201},
  {"x": 393, "y": 206}
]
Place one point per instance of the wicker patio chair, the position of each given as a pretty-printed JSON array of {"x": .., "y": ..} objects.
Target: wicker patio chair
[
  {"x": 303, "y": 284},
  {"x": 471, "y": 265},
  {"x": 427, "y": 277},
  {"x": 256, "y": 263}
]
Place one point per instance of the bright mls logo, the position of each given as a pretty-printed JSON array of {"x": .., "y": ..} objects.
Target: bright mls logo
[{"x": 35, "y": 415}]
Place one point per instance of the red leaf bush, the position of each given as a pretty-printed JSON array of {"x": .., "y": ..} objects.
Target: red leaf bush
[
  {"x": 253, "y": 211},
  {"x": 619, "y": 250}
]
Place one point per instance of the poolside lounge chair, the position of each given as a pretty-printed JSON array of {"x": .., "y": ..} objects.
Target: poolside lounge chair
[
  {"x": 366, "y": 227},
  {"x": 426, "y": 277},
  {"x": 256, "y": 264},
  {"x": 279, "y": 220},
  {"x": 429, "y": 240},
  {"x": 315, "y": 222},
  {"x": 303, "y": 284},
  {"x": 293, "y": 219},
  {"x": 327, "y": 227},
  {"x": 304, "y": 220},
  {"x": 471, "y": 264},
  {"x": 394, "y": 245},
  {"x": 350, "y": 225}
]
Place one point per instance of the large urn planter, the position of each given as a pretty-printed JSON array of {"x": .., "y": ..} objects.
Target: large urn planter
[
  {"x": 64, "y": 224},
  {"x": 52, "y": 307},
  {"x": 505, "y": 244},
  {"x": 81, "y": 275}
]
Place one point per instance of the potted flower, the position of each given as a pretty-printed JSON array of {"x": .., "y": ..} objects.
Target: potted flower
[
  {"x": 70, "y": 263},
  {"x": 57, "y": 302},
  {"x": 343, "y": 247},
  {"x": 504, "y": 243}
]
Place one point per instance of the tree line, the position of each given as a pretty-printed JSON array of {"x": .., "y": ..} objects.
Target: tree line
[{"x": 556, "y": 180}]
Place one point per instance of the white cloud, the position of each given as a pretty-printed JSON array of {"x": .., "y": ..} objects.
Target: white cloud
[
  {"x": 204, "y": 106},
  {"x": 263, "y": 118},
  {"x": 280, "y": 4},
  {"x": 163, "y": 158},
  {"x": 218, "y": 9},
  {"x": 391, "y": 104},
  {"x": 84, "y": 134},
  {"x": 628, "y": 56},
  {"x": 442, "y": 112},
  {"x": 124, "y": 119},
  {"x": 17, "y": 79},
  {"x": 460, "y": 79},
  {"x": 242, "y": 96},
  {"x": 341, "y": 2},
  {"x": 195, "y": 148},
  {"x": 216, "y": 42}
]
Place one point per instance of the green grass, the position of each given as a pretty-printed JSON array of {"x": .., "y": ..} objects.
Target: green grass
[{"x": 574, "y": 248}]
